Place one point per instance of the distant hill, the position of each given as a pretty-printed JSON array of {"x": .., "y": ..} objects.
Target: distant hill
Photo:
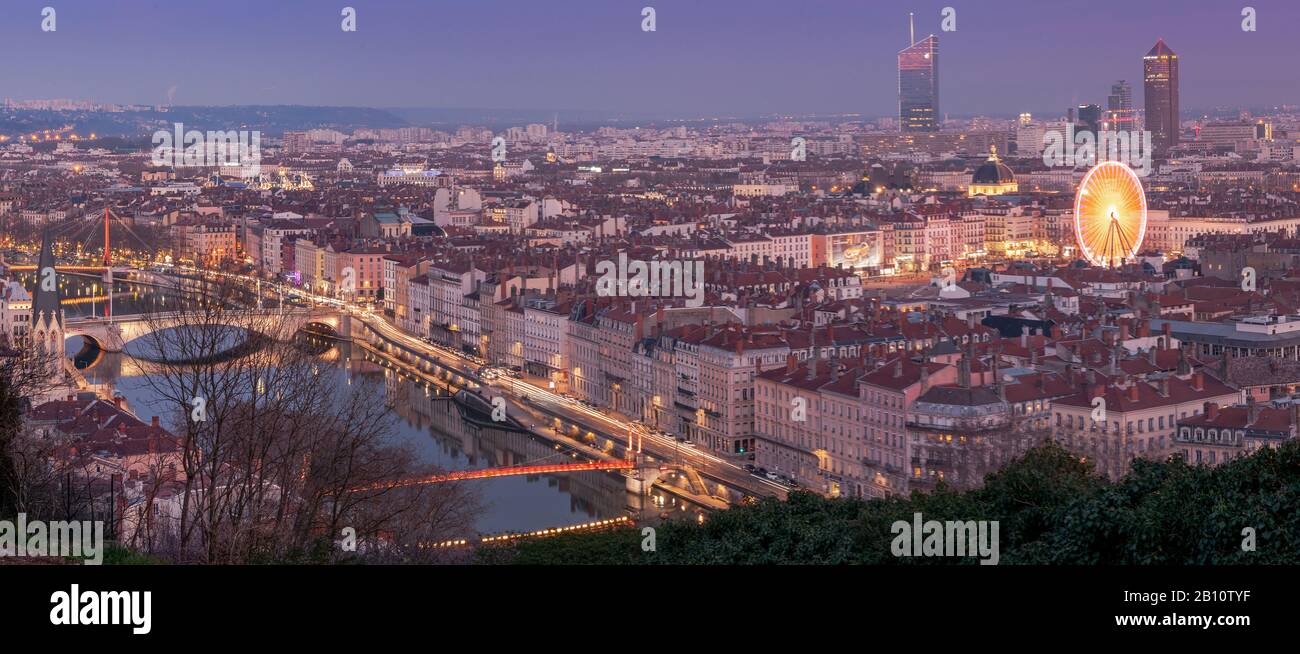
[{"x": 269, "y": 119}]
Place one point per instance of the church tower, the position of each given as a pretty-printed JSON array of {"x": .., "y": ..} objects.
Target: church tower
[{"x": 47, "y": 307}]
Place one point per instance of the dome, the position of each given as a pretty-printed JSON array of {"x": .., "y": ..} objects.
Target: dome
[
  {"x": 993, "y": 177},
  {"x": 993, "y": 171}
]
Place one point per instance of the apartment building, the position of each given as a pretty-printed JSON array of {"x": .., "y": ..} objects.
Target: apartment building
[
  {"x": 1134, "y": 418},
  {"x": 837, "y": 425},
  {"x": 546, "y": 332}
]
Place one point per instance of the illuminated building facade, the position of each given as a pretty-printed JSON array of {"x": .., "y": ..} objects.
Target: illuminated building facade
[
  {"x": 918, "y": 86},
  {"x": 1160, "y": 91}
]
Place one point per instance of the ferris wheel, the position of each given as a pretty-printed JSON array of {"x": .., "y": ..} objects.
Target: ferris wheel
[{"x": 1110, "y": 214}]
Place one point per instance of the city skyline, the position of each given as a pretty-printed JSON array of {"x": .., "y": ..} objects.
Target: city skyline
[
  {"x": 722, "y": 58},
  {"x": 406, "y": 287}
]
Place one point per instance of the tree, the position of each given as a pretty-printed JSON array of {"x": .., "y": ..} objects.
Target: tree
[
  {"x": 274, "y": 458},
  {"x": 24, "y": 374},
  {"x": 1051, "y": 509}
]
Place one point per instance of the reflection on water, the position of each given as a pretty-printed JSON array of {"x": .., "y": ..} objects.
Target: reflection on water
[
  {"x": 85, "y": 295},
  {"x": 432, "y": 425}
]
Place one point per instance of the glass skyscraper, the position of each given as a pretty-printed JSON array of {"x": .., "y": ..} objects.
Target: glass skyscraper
[
  {"x": 918, "y": 86},
  {"x": 1090, "y": 118},
  {"x": 1119, "y": 108},
  {"x": 1160, "y": 88}
]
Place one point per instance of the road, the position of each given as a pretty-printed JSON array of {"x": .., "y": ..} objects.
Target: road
[{"x": 605, "y": 425}]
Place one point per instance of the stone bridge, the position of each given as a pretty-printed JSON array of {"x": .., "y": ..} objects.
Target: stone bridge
[{"x": 112, "y": 336}]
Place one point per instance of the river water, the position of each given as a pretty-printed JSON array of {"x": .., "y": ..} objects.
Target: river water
[{"x": 428, "y": 422}]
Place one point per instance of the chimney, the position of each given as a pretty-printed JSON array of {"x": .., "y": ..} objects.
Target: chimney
[
  {"x": 153, "y": 421},
  {"x": 1164, "y": 387},
  {"x": 1123, "y": 331},
  {"x": 1168, "y": 334},
  {"x": 1198, "y": 381},
  {"x": 812, "y": 368},
  {"x": 1024, "y": 336},
  {"x": 1211, "y": 410},
  {"x": 1133, "y": 395},
  {"x": 970, "y": 321},
  {"x": 791, "y": 363}
]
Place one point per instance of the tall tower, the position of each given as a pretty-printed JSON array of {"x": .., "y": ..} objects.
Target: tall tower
[
  {"x": 47, "y": 307},
  {"x": 1160, "y": 91},
  {"x": 1089, "y": 117},
  {"x": 1119, "y": 108},
  {"x": 918, "y": 86}
]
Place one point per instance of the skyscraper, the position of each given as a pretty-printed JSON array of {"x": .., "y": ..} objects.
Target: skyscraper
[
  {"x": 1119, "y": 108},
  {"x": 1089, "y": 118},
  {"x": 1121, "y": 96},
  {"x": 1160, "y": 91},
  {"x": 918, "y": 86}
]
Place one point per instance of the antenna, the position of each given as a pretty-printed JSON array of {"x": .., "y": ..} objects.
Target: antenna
[{"x": 911, "y": 30}]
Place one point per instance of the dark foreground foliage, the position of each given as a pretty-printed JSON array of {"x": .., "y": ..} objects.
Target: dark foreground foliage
[{"x": 1050, "y": 507}]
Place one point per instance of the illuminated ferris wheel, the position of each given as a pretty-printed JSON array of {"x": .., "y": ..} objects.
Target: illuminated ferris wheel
[{"x": 1110, "y": 214}]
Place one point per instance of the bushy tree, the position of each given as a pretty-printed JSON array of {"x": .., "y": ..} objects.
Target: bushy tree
[{"x": 1050, "y": 507}]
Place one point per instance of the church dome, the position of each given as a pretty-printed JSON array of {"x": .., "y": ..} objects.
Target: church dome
[
  {"x": 993, "y": 171},
  {"x": 993, "y": 177}
]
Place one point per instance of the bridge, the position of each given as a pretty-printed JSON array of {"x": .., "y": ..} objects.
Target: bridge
[
  {"x": 73, "y": 268},
  {"x": 112, "y": 334},
  {"x": 485, "y": 473}
]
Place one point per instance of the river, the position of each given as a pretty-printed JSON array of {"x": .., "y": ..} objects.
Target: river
[{"x": 428, "y": 422}]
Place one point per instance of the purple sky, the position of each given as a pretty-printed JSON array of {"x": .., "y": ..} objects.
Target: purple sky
[{"x": 707, "y": 57}]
